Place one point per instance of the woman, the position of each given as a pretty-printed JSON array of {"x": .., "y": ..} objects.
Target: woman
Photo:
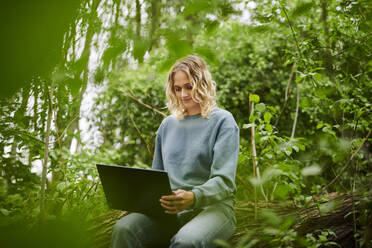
[{"x": 198, "y": 145}]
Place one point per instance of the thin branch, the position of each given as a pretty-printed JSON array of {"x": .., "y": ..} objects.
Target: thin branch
[
  {"x": 23, "y": 132},
  {"x": 254, "y": 159},
  {"x": 91, "y": 187},
  {"x": 272, "y": 193},
  {"x": 133, "y": 96},
  {"x": 357, "y": 123},
  {"x": 348, "y": 162},
  {"x": 46, "y": 151},
  {"x": 287, "y": 92},
  {"x": 296, "y": 114},
  {"x": 293, "y": 33},
  {"x": 243, "y": 182},
  {"x": 140, "y": 134},
  {"x": 54, "y": 112},
  {"x": 295, "y": 39},
  {"x": 290, "y": 79},
  {"x": 68, "y": 125},
  {"x": 262, "y": 189}
]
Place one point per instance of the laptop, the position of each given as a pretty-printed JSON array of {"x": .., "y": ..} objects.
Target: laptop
[{"x": 137, "y": 190}]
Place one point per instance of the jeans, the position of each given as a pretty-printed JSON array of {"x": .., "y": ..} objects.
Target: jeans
[{"x": 213, "y": 222}]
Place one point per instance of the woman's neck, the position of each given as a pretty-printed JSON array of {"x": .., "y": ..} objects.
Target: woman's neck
[{"x": 193, "y": 111}]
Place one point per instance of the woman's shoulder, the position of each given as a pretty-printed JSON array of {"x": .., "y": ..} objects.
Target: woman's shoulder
[
  {"x": 168, "y": 119},
  {"x": 224, "y": 116},
  {"x": 222, "y": 113}
]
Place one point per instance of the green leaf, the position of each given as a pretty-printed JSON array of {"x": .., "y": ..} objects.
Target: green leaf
[
  {"x": 270, "y": 217},
  {"x": 282, "y": 191},
  {"x": 256, "y": 181},
  {"x": 299, "y": 78},
  {"x": 271, "y": 231},
  {"x": 222, "y": 243},
  {"x": 268, "y": 128},
  {"x": 166, "y": 64},
  {"x": 260, "y": 107},
  {"x": 329, "y": 206},
  {"x": 4, "y": 211},
  {"x": 139, "y": 49},
  {"x": 311, "y": 170},
  {"x": 288, "y": 151},
  {"x": 295, "y": 148},
  {"x": 208, "y": 54},
  {"x": 282, "y": 14},
  {"x": 254, "y": 98},
  {"x": 267, "y": 117},
  {"x": 302, "y": 8},
  {"x": 302, "y": 147},
  {"x": 74, "y": 85},
  {"x": 61, "y": 186},
  {"x": 194, "y": 7},
  {"x": 261, "y": 29},
  {"x": 179, "y": 47},
  {"x": 318, "y": 76},
  {"x": 245, "y": 126},
  {"x": 211, "y": 26},
  {"x": 322, "y": 238},
  {"x": 252, "y": 118}
]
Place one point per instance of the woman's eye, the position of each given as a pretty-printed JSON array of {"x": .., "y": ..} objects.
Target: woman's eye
[
  {"x": 189, "y": 87},
  {"x": 177, "y": 89}
]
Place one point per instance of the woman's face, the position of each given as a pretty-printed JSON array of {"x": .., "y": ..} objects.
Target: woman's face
[{"x": 182, "y": 89}]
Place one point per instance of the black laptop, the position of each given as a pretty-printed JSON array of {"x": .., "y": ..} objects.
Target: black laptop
[{"x": 136, "y": 190}]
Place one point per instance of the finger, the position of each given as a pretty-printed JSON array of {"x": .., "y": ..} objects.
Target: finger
[
  {"x": 167, "y": 204},
  {"x": 169, "y": 208},
  {"x": 177, "y": 202},
  {"x": 171, "y": 197},
  {"x": 172, "y": 205}
]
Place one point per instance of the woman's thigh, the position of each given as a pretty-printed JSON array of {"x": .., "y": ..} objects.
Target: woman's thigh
[
  {"x": 134, "y": 230},
  {"x": 212, "y": 223}
]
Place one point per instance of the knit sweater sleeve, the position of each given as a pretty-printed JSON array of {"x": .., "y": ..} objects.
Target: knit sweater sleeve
[
  {"x": 157, "y": 162},
  {"x": 221, "y": 183}
]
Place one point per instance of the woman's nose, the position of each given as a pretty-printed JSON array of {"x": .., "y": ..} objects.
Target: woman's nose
[{"x": 183, "y": 93}]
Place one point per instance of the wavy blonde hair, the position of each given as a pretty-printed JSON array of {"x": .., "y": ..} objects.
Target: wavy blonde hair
[{"x": 203, "y": 87}]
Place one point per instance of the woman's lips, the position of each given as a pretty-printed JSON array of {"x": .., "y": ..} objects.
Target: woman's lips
[{"x": 187, "y": 100}]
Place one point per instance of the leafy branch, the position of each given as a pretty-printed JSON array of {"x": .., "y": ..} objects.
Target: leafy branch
[
  {"x": 348, "y": 162},
  {"x": 133, "y": 97}
]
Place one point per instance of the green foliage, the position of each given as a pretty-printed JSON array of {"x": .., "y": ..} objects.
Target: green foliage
[
  {"x": 281, "y": 173},
  {"x": 320, "y": 49},
  {"x": 320, "y": 239}
]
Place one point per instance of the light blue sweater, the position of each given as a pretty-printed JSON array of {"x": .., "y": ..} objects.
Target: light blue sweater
[{"x": 200, "y": 155}]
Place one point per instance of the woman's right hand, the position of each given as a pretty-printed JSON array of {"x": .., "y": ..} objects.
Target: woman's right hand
[{"x": 178, "y": 201}]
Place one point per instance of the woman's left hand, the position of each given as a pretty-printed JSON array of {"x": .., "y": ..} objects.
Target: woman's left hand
[{"x": 179, "y": 201}]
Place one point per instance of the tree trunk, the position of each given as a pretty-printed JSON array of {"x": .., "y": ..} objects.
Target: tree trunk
[
  {"x": 82, "y": 70},
  {"x": 46, "y": 151},
  {"x": 308, "y": 220},
  {"x": 327, "y": 54},
  {"x": 155, "y": 11},
  {"x": 138, "y": 19}
]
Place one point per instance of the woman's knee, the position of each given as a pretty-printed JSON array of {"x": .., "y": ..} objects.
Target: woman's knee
[
  {"x": 121, "y": 228},
  {"x": 186, "y": 240},
  {"x": 131, "y": 224}
]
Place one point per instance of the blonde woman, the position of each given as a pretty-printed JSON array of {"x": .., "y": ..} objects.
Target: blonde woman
[{"x": 198, "y": 145}]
